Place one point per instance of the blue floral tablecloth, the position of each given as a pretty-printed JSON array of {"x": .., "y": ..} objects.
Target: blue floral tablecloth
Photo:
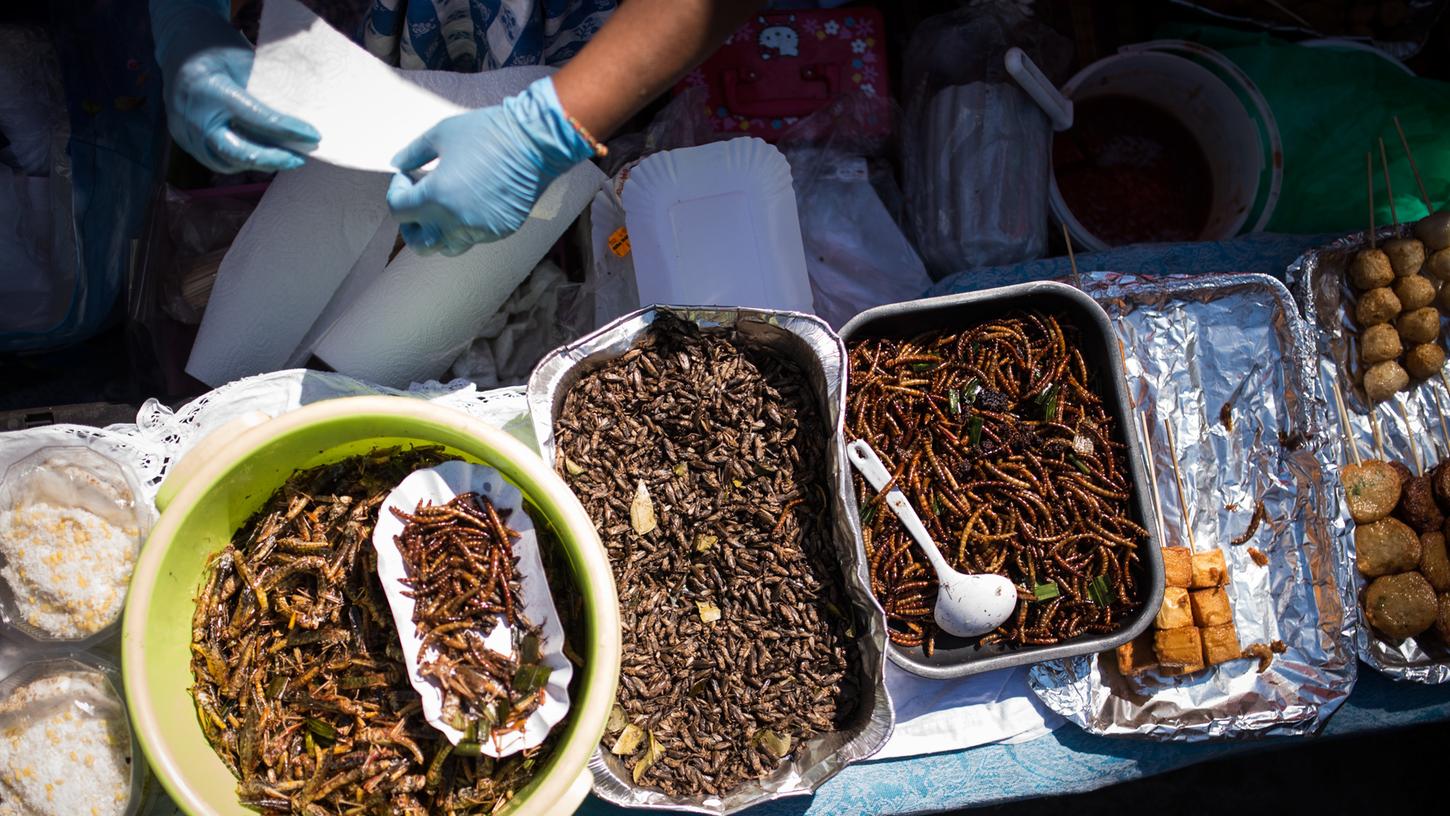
[{"x": 1068, "y": 761}]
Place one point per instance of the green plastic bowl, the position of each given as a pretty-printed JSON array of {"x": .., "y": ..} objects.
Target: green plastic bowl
[{"x": 212, "y": 491}]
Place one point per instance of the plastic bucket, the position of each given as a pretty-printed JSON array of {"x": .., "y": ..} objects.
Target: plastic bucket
[{"x": 1219, "y": 104}]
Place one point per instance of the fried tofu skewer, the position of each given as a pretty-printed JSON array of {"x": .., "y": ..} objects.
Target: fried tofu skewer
[
  {"x": 1152, "y": 473},
  {"x": 1178, "y": 482}
]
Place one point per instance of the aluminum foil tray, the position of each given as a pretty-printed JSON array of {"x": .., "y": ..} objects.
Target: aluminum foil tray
[
  {"x": 1409, "y": 425},
  {"x": 810, "y": 343},
  {"x": 1192, "y": 345}
]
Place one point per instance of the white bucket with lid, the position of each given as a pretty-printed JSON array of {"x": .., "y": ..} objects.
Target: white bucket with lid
[{"x": 1219, "y": 104}]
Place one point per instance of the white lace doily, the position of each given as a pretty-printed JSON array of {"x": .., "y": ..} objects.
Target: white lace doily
[{"x": 160, "y": 436}]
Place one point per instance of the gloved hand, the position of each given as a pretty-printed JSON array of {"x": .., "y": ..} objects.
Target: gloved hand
[
  {"x": 493, "y": 164},
  {"x": 205, "y": 64}
]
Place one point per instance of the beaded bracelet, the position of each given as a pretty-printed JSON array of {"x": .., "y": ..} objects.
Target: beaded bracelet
[{"x": 598, "y": 147}]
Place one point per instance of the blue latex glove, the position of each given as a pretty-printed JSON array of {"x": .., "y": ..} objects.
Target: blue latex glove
[
  {"x": 493, "y": 164},
  {"x": 205, "y": 64}
]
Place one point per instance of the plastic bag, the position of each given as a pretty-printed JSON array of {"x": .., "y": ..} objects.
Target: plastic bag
[
  {"x": 37, "y": 248},
  {"x": 199, "y": 229},
  {"x": 536, "y": 318},
  {"x": 975, "y": 147},
  {"x": 101, "y": 191},
  {"x": 856, "y": 255}
]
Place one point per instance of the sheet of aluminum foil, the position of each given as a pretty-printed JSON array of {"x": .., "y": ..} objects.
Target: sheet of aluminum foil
[
  {"x": 1229, "y": 364},
  {"x": 1402, "y": 41},
  {"x": 810, "y": 343},
  {"x": 1411, "y": 428}
]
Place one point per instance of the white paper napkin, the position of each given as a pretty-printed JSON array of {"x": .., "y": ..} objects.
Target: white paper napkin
[{"x": 933, "y": 716}]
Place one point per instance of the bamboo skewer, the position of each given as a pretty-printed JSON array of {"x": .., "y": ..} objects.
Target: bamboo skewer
[
  {"x": 1287, "y": 12},
  {"x": 1414, "y": 446},
  {"x": 1178, "y": 482},
  {"x": 1344, "y": 422},
  {"x": 1153, "y": 475},
  {"x": 1071, "y": 256},
  {"x": 1374, "y": 426},
  {"x": 1444, "y": 427},
  {"x": 1389, "y": 191},
  {"x": 1369, "y": 189},
  {"x": 1414, "y": 168}
]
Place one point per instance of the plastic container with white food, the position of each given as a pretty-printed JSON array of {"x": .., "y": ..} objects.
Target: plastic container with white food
[
  {"x": 71, "y": 525},
  {"x": 66, "y": 744}
]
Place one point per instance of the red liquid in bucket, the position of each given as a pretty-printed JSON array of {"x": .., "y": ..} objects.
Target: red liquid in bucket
[{"x": 1131, "y": 172}]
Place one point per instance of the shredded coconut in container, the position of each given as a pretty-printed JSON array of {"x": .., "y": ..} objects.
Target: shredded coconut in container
[
  {"x": 65, "y": 748},
  {"x": 67, "y": 567}
]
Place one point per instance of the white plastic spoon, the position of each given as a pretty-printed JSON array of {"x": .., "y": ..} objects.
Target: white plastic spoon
[{"x": 966, "y": 605}]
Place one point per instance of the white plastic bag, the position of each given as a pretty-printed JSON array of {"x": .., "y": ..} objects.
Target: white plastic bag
[
  {"x": 856, "y": 255},
  {"x": 975, "y": 147}
]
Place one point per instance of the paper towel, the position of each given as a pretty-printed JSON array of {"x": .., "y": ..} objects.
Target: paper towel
[
  {"x": 948, "y": 715},
  {"x": 366, "y": 269},
  {"x": 283, "y": 267},
  {"x": 365, "y": 111},
  {"x": 423, "y": 311}
]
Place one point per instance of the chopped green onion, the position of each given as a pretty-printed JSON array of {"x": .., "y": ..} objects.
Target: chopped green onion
[
  {"x": 1047, "y": 591},
  {"x": 868, "y": 512},
  {"x": 974, "y": 429},
  {"x": 1100, "y": 590},
  {"x": 923, "y": 366},
  {"x": 468, "y": 749},
  {"x": 936, "y": 504},
  {"x": 1048, "y": 401},
  {"x": 1078, "y": 463},
  {"x": 972, "y": 389},
  {"x": 954, "y": 401}
]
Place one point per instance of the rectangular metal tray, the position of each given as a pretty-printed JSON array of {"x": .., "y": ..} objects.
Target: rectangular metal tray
[
  {"x": 808, "y": 341},
  {"x": 1103, "y": 354}
]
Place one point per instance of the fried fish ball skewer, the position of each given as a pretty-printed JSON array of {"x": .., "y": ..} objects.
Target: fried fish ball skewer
[
  {"x": 1371, "y": 487},
  {"x": 1384, "y": 380},
  {"x": 1433, "y": 229},
  {"x": 1380, "y": 343},
  {"x": 1414, "y": 168}
]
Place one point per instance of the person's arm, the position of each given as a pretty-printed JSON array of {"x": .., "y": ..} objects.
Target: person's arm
[
  {"x": 494, "y": 163},
  {"x": 639, "y": 52}
]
